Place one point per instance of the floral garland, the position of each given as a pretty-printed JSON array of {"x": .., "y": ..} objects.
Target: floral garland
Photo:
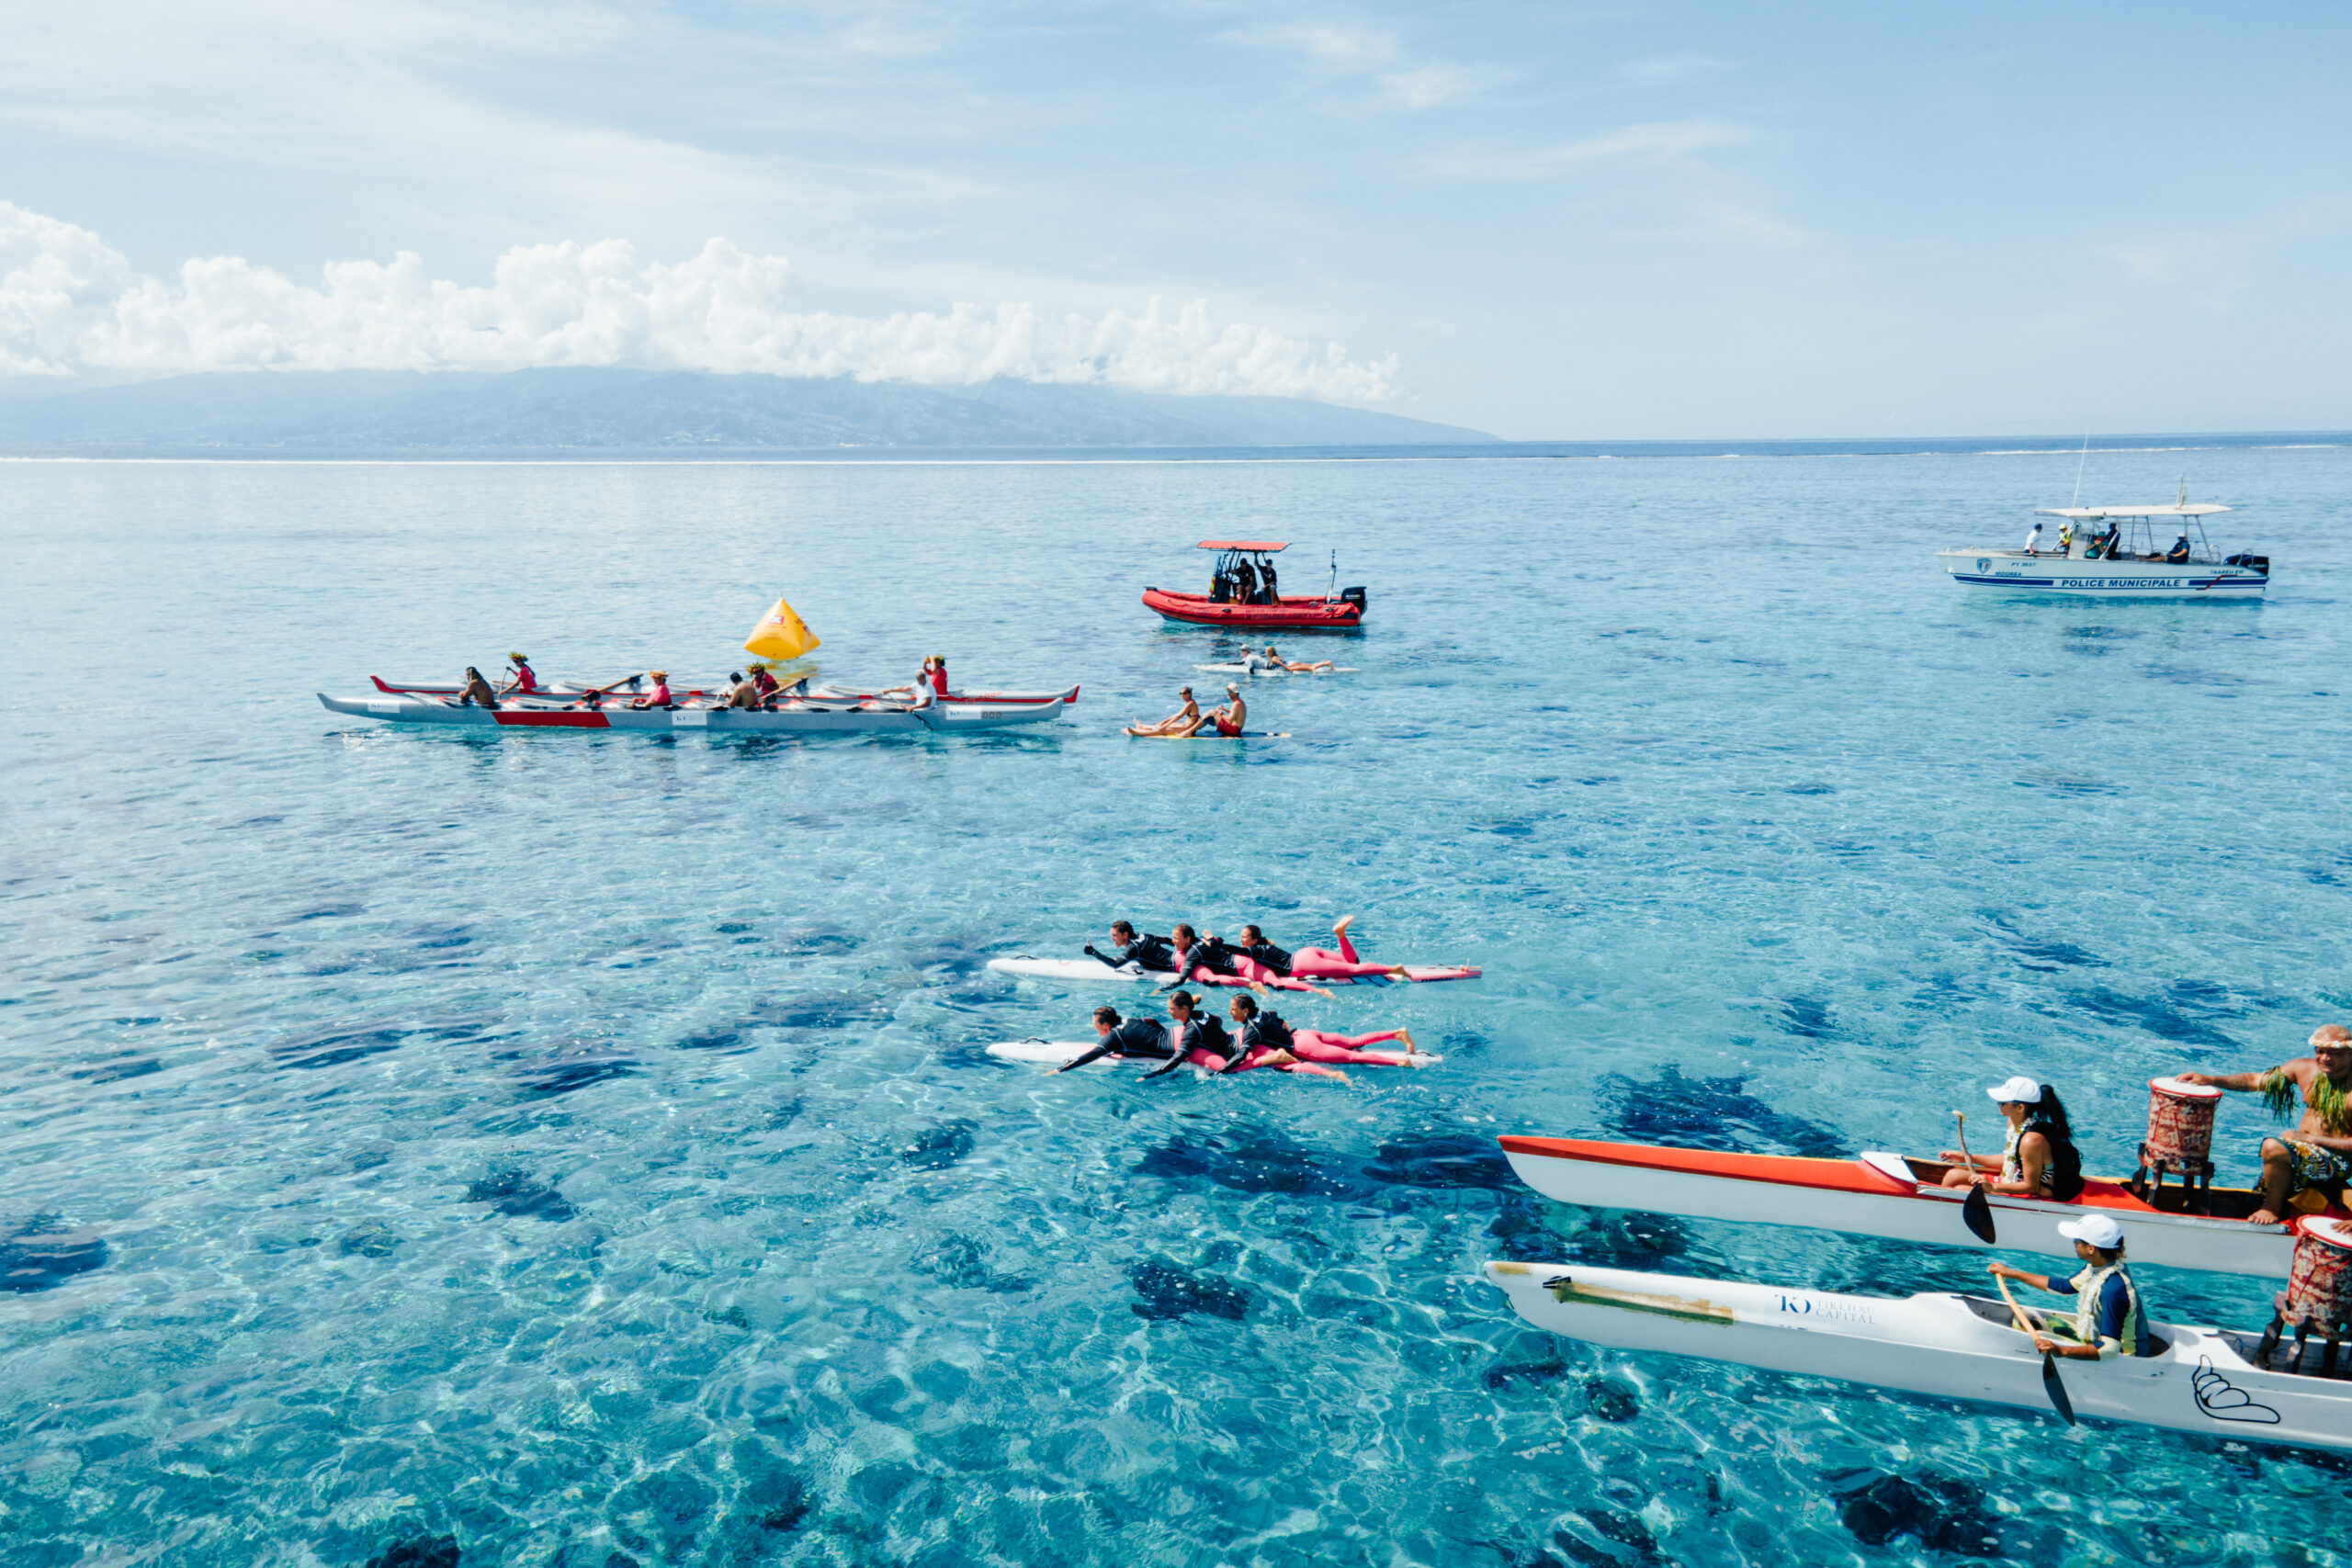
[{"x": 2335, "y": 1108}]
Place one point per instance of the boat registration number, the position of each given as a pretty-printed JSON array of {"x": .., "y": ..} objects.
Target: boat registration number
[{"x": 698, "y": 720}]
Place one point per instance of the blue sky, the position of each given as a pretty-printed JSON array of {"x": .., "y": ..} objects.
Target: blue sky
[{"x": 1559, "y": 221}]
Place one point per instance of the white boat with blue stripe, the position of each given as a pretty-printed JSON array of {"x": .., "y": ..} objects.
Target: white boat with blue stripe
[{"x": 2117, "y": 552}]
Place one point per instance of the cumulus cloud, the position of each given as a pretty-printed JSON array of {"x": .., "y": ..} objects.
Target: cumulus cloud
[{"x": 70, "y": 304}]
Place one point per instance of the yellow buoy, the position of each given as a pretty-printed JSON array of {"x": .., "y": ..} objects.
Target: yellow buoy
[{"x": 780, "y": 635}]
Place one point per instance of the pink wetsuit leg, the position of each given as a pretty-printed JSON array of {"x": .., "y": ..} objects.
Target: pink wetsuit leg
[
  {"x": 1314, "y": 1045},
  {"x": 1347, "y": 948},
  {"x": 1321, "y": 963},
  {"x": 1201, "y": 1058}
]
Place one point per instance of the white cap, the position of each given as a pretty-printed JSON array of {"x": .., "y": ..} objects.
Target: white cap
[
  {"x": 2017, "y": 1092},
  {"x": 2100, "y": 1230}
]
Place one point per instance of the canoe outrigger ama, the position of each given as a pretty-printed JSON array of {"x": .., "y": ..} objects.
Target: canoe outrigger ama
[
  {"x": 1887, "y": 1195},
  {"x": 1939, "y": 1344},
  {"x": 2118, "y": 550},
  {"x": 1243, "y": 592}
]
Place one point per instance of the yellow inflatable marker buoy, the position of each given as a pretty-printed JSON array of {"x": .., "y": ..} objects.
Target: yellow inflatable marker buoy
[{"x": 780, "y": 635}]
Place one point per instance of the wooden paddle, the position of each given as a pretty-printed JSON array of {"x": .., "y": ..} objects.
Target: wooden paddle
[
  {"x": 2050, "y": 1383},
  {"x": 1976, "y": 1210}
]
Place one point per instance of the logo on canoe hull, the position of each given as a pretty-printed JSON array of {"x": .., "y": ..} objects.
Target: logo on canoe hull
[{"x": 2223, "y": 1400}]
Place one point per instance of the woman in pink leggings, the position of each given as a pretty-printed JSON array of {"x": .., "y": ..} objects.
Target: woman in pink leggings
[
  {"x": 1200, "y": 1040},
  {"x": 1257, "y": 959},
  {"x": 1267, "y": 1041}
]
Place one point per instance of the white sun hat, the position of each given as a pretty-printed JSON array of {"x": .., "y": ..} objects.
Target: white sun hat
[
  {"x": 2017, "y": 1092},
  {"x": 2100, "y": 1230}
]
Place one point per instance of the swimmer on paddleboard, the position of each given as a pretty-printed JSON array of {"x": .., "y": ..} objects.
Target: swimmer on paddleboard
[
  {"x": 1202, "y": 1041},
  {"x": 1205, "y": 961}
]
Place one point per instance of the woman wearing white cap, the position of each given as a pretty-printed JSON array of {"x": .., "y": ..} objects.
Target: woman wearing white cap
[
  {"x": 2039, "y": 1159},
  {"x": 2108, "y": 1321}
]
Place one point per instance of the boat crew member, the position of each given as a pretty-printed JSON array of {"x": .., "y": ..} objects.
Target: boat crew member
[
  {"x": 2033, "y": 541},
  {"x": 660, "y": 697},
  {"x": 939, "y": 676},
  {"x": 741, "y": 692},
  {"x": 1266, "y": 582},
  {"x": 2179, "y": 551},
  {"x": 2066, "y": 537},
  {"x": 2039, "y": 1159},
  {"x": 2316, "y": 1157},
  {"x": 765, "y": 683},
  {"x": 1245, "y": 582},
  {"x": 522, "y": 681},
  {"x": 1142, "y": 1037},
  {"x": 1145, "y": 952},
  {"x": 1233, "y": 715},
  {"x": 476, "y": 691},
  {"x": 1266, "y": 1032},
  {"x": 2108, "y": 1320},
  {"x": 1185, "y": 721}
]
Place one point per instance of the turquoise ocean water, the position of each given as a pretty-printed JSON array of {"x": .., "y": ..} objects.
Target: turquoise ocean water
[{"x": 574, "y": 1149}]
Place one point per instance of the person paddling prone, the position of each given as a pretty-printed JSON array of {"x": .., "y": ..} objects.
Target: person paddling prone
[
  {"x": 1145, "y": 1038},
  {"x": 1266, "y": 1032},
  {"x": 2108, "y": 1320},
  {"x": 1205, "y": 1043},
  {"x": 1279, "y": 662},
  {"x": 2316, "y": 1156},
  {"x": 1313, "y": 963},
  {"x": 1146, "y": 951},
  {"x": 1205, "y": 961},
  {"x": 2039, "y": 1160}
]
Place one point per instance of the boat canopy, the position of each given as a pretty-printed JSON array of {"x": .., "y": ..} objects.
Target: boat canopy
[
  {"x": 1268, "y": 545},
  {"x": 2171, "y": 509}
]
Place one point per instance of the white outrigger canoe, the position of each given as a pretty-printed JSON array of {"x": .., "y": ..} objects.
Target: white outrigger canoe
[
  {"x": 1888, "y": 1195},
  {"x": 2138, "y": 568},
  {"x": 1090, "y": 969},
  {"x": 567, "y": 690},
  {"x": 1943, "y": 1346},
  {"x": 804, "y": 717}
]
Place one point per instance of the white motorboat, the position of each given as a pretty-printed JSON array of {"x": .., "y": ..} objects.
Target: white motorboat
[
  {"x": 2119, "y": 552},
  {"x": 1941, "y": 1345}
]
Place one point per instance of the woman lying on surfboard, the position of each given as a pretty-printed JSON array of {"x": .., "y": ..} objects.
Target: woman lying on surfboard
[
  {"x": 1266, "y": 1034},
  {"x": 1205, "y": 961},
  {"x": 1257, "y": 959},
  {"x": 1279, "y": 662},
  {"x": 1201, "y": 1040}
]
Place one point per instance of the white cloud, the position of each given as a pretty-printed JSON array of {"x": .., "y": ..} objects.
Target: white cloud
[
  {"x": 1442, "y": 82},
  {"x": 70, "y": 304},
  {"x": 1333, "y": 44},
  {"x": 1665, "y": 70},
  {"x": 1658, "y": 141}
]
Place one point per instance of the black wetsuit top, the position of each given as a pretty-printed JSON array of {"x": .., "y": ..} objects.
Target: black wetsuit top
[
  {"x": 1204, "y": 1032},
  {"x": 1266, "y": 1029},
  {"x": 1266, "y": 953},
  {"x": 1212, "y": 956},
  {"x": 1147, "y": 952},
  {"x": 1137, "y": 1037}
]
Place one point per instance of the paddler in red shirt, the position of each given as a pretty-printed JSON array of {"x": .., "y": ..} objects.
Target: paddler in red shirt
[
  {"x": 523, "y": 682},
  {"x": 660, "y": 697},
  {"x": 939, "y": 675}
]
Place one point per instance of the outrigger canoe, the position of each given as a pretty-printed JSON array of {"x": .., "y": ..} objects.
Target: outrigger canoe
[
  {"x": 1090, "y": 969},
  {"x": 567, "y": 690},
  {"x": 1888, "y": 1195},
  {"x": 1943, "y": 1346},
  {"x": 793, "y": 718}
]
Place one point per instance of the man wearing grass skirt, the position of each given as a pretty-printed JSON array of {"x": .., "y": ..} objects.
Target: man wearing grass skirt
[{"x": 2108, "y": 1320}]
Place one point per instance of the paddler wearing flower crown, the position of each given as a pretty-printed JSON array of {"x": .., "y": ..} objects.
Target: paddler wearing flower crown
[{"x": 2316, "y": 1157}]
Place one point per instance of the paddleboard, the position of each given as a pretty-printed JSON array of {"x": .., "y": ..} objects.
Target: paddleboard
[
  {"x": 1050, "y": 1053},
  {"x": 1213, "y": 735},
  {"x": 1088, "y": 969},
  {"x": 1245, "y": 669}
]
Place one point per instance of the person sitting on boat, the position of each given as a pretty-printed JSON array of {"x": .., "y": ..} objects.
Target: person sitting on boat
[
  {"x": 939, "y": 676},
  {"x": 2108, "y": 1320},
  {"x": 2039, "y": 1160},
  {"x": 2179, "y": 551},
  {"x": 1185, "y": 721},
  {"x": 2066, "y": 537},
  {"x": 1229, "y": 718},
  {"x": 1147, "y": 952},
  {"x": 740, "y": 692},
  {"x": 522, "y": 681},
  {"x": 2033, "y": 541},
  {"x": 2316, "y": 1157},
  {"x": 1245, "y": 583},
  {"x": 658, "y": 697},
  {"x": 1279, "y": 662},
  {"x": 1137, "y": 1037},
  {"x": 1269, "y": 594},
  {"x": 476, "y": 691}
]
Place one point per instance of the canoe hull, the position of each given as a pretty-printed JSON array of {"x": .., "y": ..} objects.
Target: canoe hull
[
  {"x": 564, "y": 689},
  {"x": 1848, "y": 1196},
  {"x": 945, "y": 718},
  {"x": 1299, "y": 614},
  {"x": 1938, "y": 1345}
]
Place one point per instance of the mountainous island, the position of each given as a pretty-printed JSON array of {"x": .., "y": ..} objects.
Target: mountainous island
[{"x": 670, "y": 414}]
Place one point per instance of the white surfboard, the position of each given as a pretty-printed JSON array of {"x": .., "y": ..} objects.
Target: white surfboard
[
  {"x": 1051, "y": 1053},
  {"x": 1245, "y": 669},
  {"x": 1076, "y": 969}
]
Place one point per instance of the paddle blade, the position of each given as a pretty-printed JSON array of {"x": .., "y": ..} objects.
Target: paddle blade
[
  {"x": 780, "y": 635},
  {"x": 1977, "y": 1211},
  {"x": 2056, "y": 1390}
]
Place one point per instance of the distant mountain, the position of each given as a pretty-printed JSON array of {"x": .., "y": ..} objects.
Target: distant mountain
[{"x": 363, "y": 411}]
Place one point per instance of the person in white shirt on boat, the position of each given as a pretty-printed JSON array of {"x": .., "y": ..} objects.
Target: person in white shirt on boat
[
  {"x": 2033, "y": 541},
  {"x": 2108, "y": 1320},
  {"x": 2039, "y": 1159}
]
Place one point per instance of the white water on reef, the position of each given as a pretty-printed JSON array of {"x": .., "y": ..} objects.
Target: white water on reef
[{"x": 578, "y": 1149}]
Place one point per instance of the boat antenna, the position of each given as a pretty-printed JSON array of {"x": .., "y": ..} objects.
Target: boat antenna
[
  {"x": 1333, "y": 592},
  {"x": 2078, "y": 470}
]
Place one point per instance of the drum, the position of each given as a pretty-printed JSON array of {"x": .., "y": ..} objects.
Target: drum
[
  {"x": 2319, "y": 1284},
  {"x": 2180, "y": 1122}
]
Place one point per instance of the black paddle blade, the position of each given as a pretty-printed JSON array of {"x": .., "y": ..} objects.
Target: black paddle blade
[
  {"x": 2056, "y": 1390},
  {"x": 1978, "y": 1211}
]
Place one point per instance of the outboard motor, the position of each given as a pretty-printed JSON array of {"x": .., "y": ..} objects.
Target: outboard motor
[
  {"x": 1355, "y": 596},
  {"x": 2252, "y": 563}
]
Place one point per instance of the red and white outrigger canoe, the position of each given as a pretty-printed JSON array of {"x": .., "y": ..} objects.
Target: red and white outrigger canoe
[
  {"x": 566, "y": 689},
  {"x": 952, "y": 717},
  {"x": 1888, "y": 1195}
]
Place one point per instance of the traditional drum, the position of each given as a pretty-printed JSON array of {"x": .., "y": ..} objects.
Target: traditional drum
[
  {"x": 2319, "y": 1284},
  {"x": 2180, "y": 1124}
]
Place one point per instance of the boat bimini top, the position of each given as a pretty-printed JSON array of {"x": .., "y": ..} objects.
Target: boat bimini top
[{"x": 2170, "y": 509}]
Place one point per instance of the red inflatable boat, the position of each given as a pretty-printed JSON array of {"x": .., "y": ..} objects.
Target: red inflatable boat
[{"x": 1244, "y": 592}]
